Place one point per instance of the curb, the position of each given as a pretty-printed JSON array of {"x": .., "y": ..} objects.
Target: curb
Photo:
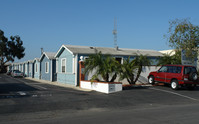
[{"x": 57, "y": 84}]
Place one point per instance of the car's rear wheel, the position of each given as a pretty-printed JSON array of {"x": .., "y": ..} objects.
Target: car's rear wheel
[
  {"x": 193, "y": 76},
  {"x": 174, "y": 84},
  {"x": 151, "y": 79}
]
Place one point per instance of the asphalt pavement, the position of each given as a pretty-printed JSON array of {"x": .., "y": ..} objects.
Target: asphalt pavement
[{"x": 28, "y": 101}]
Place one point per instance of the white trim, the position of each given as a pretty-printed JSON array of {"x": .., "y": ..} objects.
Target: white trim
[
  {"x": 47, "y": 71},
  {"x": 76, "y": 65},
  {"x": 66, "y": 73},
  {"x": 63, "y": 46},
  {"x": 73, "y": 69},
  {"x": 36, "y": 68},
  {"x": 51, "y": 73},
  {"x": 62, "y": 63},
  {"x": 43, "y": 55}
]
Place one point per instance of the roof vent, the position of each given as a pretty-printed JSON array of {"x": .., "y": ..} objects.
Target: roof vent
[{"x": 117, "y": 48}]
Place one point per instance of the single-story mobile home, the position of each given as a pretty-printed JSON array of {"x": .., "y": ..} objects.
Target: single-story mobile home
[
  {"x": 37, "y": 70},
  {"x": 68, "y": 57},
  {"x": 30, "y": 68},
  {"x": 48, "y": 66}
]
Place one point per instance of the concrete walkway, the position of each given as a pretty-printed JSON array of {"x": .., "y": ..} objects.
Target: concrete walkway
[{"x": 58, "y": 84}]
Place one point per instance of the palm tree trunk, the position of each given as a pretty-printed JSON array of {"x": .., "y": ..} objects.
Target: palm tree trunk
[
  {"x": 114, "y": 77},
  {"x": 138, "y": 74}
]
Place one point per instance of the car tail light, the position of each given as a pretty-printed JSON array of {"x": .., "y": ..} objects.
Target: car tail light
[{"x": 186, "y": 78}]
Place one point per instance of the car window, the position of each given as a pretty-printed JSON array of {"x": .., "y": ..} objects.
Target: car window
[
  {"x": 188, "y": 70},
  {"x": 163, "y": 69},
  {"x": 174, "y": 69}
]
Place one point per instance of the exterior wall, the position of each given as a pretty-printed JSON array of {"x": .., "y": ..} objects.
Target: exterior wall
[
  {"x": 143, "y": 75},
  {"x": 37, "y": 74},
  {"x": 69, "y": 76},
  {"x": 44, "y": 75},
  {"x": 104, "y": 87},
  {"x": 26, "y": 69},
  {"x": 30, "y": 69}
]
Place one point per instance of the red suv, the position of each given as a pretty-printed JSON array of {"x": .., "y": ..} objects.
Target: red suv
[{"x": 176, "y": 75}]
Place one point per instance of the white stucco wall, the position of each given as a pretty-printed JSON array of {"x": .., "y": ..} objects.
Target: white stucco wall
[
  {"x": 142, "y": 78},
  {"x": 102, "y": 87}
]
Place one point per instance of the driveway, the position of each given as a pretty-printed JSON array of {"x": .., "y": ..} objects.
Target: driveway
[{"x": 27, "y": 101}]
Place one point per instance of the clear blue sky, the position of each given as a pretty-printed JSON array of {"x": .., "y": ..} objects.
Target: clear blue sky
[{"x": 141, "y": 24}]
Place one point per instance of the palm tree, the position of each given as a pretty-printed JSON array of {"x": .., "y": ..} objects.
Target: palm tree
[
  {"x": 131, "y": 70},
  {"x": 103, "y": 65},
  {"x": 141, "y": 61},
  {"x": 128, "y": 70},
  {"x": 170, "y": 59}
]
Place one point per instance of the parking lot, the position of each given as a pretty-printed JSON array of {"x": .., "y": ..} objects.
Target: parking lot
[{"x": 28, "y": 101}]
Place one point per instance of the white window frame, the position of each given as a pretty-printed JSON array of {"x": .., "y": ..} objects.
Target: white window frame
[
  {"x": 36, "y": 67},
  {"x": 26, "y": 68},
  {"x": 73, "y": 65},
  {"x": 47, "y": 67},
  {"x": 62, "y": 65},
  {"x": 30, "y": 68},
  {"x": 57, "y": 66}
]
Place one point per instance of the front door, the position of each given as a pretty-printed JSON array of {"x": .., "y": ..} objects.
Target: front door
[{"x": 161, "y": 76}]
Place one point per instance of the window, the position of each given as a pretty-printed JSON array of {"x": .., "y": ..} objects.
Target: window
[
  {"x": 30, "y": 68},
  {"x": 163, "y": 69},
  {"x": 189, "y": 69},
  {"x": 47, "y": 67},
  {"x": 63, "y": 65},
  {"x": 119, "y": 60},
  {"x": 25, "y": 67},
  {"x": 174, "y": 69},
  {"x": 73, "y": 65},
  {"x": 35, "y": 67}
]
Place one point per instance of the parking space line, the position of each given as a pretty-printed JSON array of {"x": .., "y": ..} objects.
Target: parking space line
[
  {"x": 175, "y": 94},
  {"x": 40, "y": 87}
]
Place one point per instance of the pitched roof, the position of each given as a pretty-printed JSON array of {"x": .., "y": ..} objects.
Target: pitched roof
[
  {"x": 36, "y": 59},
  {"x": 49, "y": 55},
  {"x": 112, "y": 51}
]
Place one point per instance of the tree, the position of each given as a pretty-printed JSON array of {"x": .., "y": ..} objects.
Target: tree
[
  {"x": 170, "y": 59},
  {"x": 131, "y": 70},
  {"x": 183, "y": 35},
  {"x": 10, "y": 49},
  {"x": 128, "y": 71},
  {"x": 141, "y": 61},
  {"x": 103, "y": 65}
]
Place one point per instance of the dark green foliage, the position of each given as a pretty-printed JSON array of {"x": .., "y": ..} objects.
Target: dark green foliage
[
  {"x": 170, "y": 59},
  {"x": 108, "y": 68},
  {"x": 104, "y": 66},
  {"x": 131, "y": 70},
  {"x": 10, "y": 49}
]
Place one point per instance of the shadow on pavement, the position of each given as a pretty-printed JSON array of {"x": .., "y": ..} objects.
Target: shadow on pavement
[
  {"x": 13, "y": 87},
  {"x": 135, "y": 87}
]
